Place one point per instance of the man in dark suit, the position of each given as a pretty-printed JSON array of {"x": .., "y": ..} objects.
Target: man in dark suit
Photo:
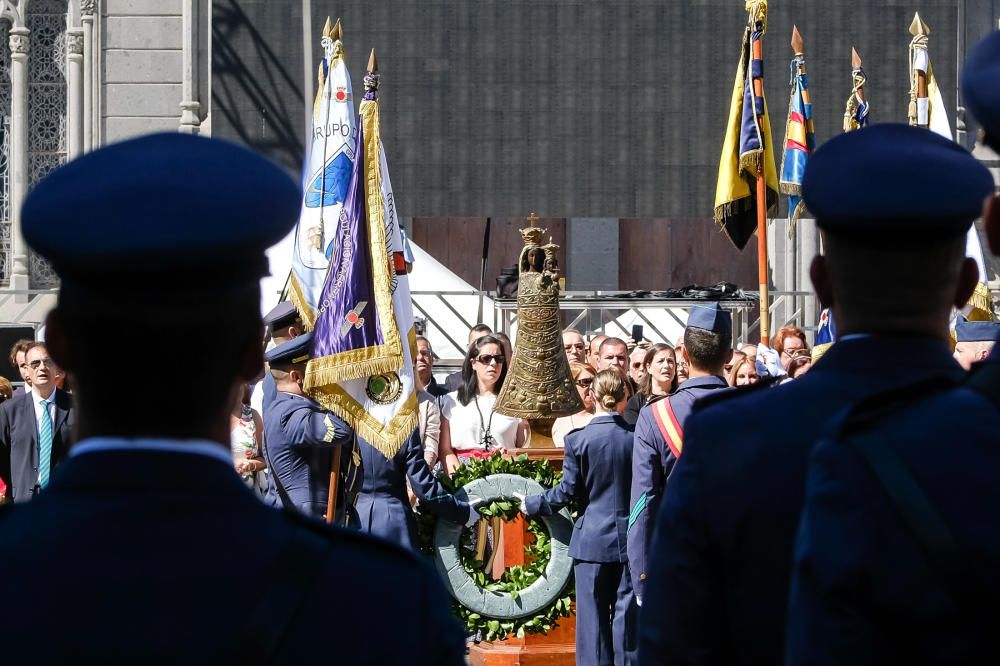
[
  {"x": 898, "y": 558},
  {"x": 36, "y": 427},
  {"x": 659, "y": 431},
  {"x": 894, "y": 203},
  {"x": 146, "y": 536}
]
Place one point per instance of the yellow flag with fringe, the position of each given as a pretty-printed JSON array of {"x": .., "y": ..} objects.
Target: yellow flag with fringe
[{"x": 748, "y": 144}]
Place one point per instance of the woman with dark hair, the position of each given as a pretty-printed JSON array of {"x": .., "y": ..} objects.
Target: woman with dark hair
[
  {"x": 660, "y": 363},
  {"x": 470, "y": 425}
]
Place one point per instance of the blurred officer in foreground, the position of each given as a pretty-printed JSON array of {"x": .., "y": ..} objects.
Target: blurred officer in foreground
[
  {"x": 147, "y": 544},
  {"x": 898, "y": 552},
  {"x": 894, "y": 203}
]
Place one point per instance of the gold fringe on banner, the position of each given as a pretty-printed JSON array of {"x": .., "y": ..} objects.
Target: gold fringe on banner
[{"x": 389, "y": 438}]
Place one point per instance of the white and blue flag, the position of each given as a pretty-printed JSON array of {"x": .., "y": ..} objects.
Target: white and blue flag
[{"x": 326, "y": 176}]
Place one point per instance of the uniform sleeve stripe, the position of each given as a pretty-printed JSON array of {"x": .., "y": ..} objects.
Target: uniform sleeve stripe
[{"x": 640, "y": 506}]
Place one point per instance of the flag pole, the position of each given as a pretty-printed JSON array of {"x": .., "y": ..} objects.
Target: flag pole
[{"x": 762, "y": 279}]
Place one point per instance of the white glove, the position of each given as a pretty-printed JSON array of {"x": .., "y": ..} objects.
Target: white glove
[
  {"x": 769, "y": 362},
  {"x": 638, "y": 601},
  {"x": 473, "y": 513},
  {"x": 520, "y": 503}
]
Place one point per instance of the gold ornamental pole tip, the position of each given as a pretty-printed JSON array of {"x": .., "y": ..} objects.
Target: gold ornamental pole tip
[
  {"x": 533, "y": 219},
  {"x": 797, "y": 44},
  {"x": 372, "y": 62},
  {"x": 918, "y": 27},
  {"x": 855, "y": 58},
  {"x": 338, "y": 31},
  {"x": 327, "y": 28}
]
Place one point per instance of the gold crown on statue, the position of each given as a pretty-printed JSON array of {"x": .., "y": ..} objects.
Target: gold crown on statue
[{"x": 533, "y": 235}]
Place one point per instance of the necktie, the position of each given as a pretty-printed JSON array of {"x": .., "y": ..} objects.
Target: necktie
[{"x": 44, "y": 445}]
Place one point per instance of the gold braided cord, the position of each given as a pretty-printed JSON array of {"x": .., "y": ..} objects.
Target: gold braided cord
[
  {"x": 854, "y": 100},
  {"x": 757, "y": 13},
  {"x": 918, "y": 43}
]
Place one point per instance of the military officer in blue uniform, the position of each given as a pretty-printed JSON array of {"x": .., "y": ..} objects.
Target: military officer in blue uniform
[
  {"x": 146, "y": 536},
  {"x": 283, "y": 324},
  {"x": 974, "y": 340},
  {"x": 898, "y": 557},
  {"x": 596, "y": 475},
  {"x": 301, "y": 439},
  {"x": 894, "y": 203},
  {"x": 659, "y": 432}
]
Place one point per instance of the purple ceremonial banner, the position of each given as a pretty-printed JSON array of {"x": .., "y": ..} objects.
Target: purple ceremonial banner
[{"x": 348, "y": 317}]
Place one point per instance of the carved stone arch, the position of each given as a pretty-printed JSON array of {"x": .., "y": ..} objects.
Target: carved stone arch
[{"x": 12, "y": 11}]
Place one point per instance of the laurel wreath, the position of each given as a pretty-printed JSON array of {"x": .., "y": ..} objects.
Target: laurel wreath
[{"x": 515, "y": 578}]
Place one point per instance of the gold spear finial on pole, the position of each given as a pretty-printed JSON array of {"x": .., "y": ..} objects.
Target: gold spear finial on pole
[
  {"x": 798, "y": 46},
  {"x": 918, "y": 27}
]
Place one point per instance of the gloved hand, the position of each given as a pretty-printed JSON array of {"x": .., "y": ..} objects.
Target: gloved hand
[
  {"x": 473, "y": 513},
  {"x": 520, "y": 503},
  {"x": 638, "y": 601},
  {"x": 769, "y": 362}
]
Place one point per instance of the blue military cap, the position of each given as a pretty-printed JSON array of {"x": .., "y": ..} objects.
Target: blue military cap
[
  {"x": 893, "y": 186},
  {"x": 711, "y": 317},
  {"x": 296, "y": 350},
  {"x": 981, "y": 86},
  {"x": 164, "y": 211},
  {"x": 976, "y": 331},
  {"x": 283, "y": 313}
]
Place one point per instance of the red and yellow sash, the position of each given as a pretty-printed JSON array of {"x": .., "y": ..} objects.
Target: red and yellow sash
[{"x": 669, "y": 426}]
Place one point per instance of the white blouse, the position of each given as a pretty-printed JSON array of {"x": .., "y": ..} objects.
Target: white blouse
[{"x": 467, "y": 423}]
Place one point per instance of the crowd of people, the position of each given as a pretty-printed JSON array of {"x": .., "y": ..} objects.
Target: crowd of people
[{"x": 735, "y": 506}]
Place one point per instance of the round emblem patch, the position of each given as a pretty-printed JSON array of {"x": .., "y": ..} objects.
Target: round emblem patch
[{"x": 384, "y": 389}]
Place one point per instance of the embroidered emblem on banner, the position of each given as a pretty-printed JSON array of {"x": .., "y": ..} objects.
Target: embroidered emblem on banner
[{"x": 384, "y": 389}]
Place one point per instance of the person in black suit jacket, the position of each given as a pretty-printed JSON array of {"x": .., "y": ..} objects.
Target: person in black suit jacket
[
  {"x": 146, "y": 536},
  {"x": 22, "y": 427},
  {"x": 597, "y": 476},
  {"x": 718, "y": 585}
]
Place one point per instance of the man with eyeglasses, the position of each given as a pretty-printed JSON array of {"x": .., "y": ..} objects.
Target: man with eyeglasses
[
  {"x": 36, "y": 428},
  {"x": 576, "y": 348}
]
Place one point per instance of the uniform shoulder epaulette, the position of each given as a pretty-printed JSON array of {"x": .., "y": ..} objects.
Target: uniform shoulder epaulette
[{"x": 724, "y": 395}]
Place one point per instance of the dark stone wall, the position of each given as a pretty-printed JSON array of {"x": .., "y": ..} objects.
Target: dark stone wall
[{"x": 565, "y": 107}]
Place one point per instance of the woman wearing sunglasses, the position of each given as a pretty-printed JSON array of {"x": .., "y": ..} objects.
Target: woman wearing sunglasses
[
  {"x": 471, "y": 427},
  {"x": 583, "y": 376}
]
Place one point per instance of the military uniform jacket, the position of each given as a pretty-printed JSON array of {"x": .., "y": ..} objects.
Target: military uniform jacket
[
  {"x": 168, "y": 558},
  {"x": 597, "y": 474},
  {"x": 382, "y": 507},
  {"x": 299, "y": 438},
  {"x": 652, "y": 462},
  {"x": 865, "y": 591},
  {"x": 717, "y": 587}
]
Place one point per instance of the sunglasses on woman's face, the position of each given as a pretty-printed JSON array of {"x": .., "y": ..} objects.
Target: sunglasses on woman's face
[
  {"x": 486, "y": 358},
  {"x": 585, "y": 382}
]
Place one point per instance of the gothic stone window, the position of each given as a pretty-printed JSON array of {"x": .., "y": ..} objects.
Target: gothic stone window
[
  {"x": 46, "y": 106},
  {"x": 5, "y": 248}
]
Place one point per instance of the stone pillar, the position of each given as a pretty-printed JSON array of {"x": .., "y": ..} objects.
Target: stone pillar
[
  {"x": 18, "y": 158},
  {"x": 87, "y": 9},
  {"x": 190, "y": 107},
  {"x": 74, "y": 93}
]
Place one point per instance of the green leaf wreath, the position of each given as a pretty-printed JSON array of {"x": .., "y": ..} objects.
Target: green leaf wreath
[{"x": 516, "y": 578}]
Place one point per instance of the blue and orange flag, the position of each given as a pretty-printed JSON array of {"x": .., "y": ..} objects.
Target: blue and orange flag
[
  {"x": 826, "y": 334},
  {"x": 747, "y": 147},
  {"x": 800, "y": 139}
]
